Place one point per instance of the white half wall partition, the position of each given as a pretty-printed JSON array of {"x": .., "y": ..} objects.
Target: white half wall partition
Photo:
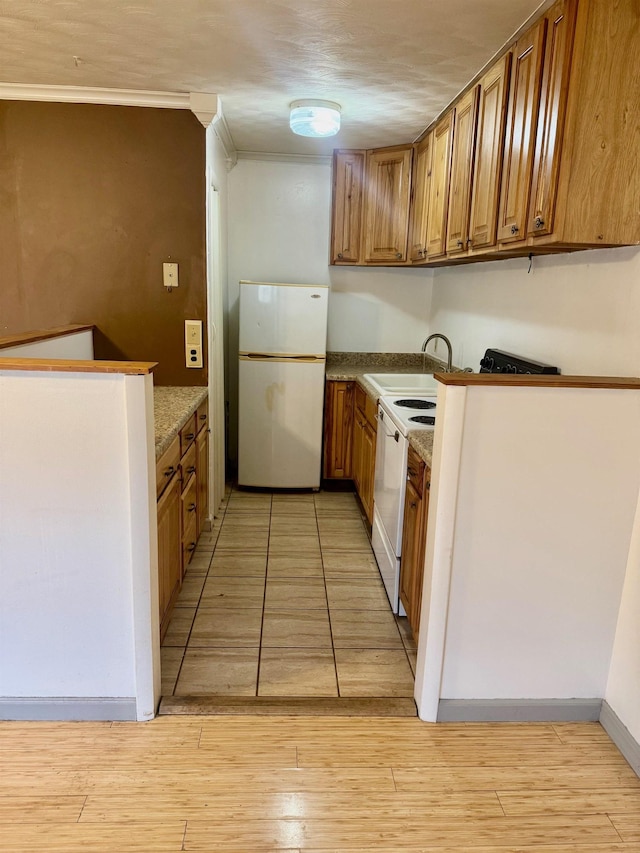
[
  {"x": 534, "y": 491},
  {"x": 69, "y": 342},
  {"x": 79, "y": 636}
]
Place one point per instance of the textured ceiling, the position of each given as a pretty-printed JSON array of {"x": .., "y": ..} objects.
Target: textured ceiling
[{"x": 391, "y": 64}]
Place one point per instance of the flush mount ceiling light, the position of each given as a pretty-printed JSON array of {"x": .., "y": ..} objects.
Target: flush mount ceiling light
[{"x": 314, "y": 118}]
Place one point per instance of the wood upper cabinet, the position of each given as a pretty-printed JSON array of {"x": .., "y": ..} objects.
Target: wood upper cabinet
[
  {"x": 346, "y": 230},
  {"x": 462, "y": 162},
  {"x": 338, "y": 430},
  {"x": 524, "y": 99},
  {"x": 439, "y": 187},
  {"x": 485, "y": 192},
  {"x": 420, "y": 199},
  {"x": 387, "y": 195}
]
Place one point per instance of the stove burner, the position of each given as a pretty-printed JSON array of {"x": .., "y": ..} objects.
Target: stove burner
[
  {"x": 423, "y": 419},
  {"x": 415, "y": 404}
]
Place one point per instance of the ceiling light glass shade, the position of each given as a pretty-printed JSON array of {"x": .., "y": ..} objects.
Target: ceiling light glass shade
[{"x": 314, "y": 118}]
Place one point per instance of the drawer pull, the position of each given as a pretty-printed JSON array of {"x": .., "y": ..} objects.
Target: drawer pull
[
  {"x": 190, "y": 436},
  {"x": 169, "y": 471},
  {"x": 203, "y": 417},
  {"x": 191, "y": 508},
  {"x": 191, "y": 469},
  {"x": 191, "y": 546}
]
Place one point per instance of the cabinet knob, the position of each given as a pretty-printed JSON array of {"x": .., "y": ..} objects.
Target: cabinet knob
[
  {"x": 203, "y": 417},
  {"x": 539, "y": 222},
  {"x": 398, "y": 255},
  {"x": 469, "y": 242},
  {"x": 169, "y": 471},
  {"x": 514, "y": 229},
  {"x": 191, "y": 546},
  {"x": 191, "y": 508},
  {"x": 191, "y": 469},
  {"x": 413, "y": 504},
  {"x": 340, "y": 256},
  {"x": 190, "y": 436},
  {"x": 460, "y": 243}
]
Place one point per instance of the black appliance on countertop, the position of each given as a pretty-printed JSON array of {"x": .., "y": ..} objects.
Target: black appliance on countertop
[{"x": 498, "y": 361}]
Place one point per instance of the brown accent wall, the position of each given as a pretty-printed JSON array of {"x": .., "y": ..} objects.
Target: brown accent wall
[{"x": 92, "y": 200}]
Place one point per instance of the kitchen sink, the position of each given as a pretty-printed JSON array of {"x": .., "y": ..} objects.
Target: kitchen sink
[{"x": 402, "y": 383}]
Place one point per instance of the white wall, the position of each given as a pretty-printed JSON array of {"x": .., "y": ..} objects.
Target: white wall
[
  {"x": 78, "y": 555},
  {"x": 279, "y": 224},
  {"x": 77, "y": 345},
  {"x": 580, "y": 311}
]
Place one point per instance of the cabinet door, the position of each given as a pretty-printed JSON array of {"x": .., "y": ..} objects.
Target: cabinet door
[
  {"x": 410, "y": 552},
  {"x": 202, "y": 475},
  {"x": 439, "y": 187},
  {"x": 485, "y": 193},
  {"x": 387, "y": 194},
  {"x": 346, "y": 231},
  {"x": 338, "y": 429},
  {"x": 524, "y": 100},
  {"x": 356, "y": 451},
  {"x": 169, "y": 545},
  {"x": 420, "y": 199},
  {"x": 464, "y": 134},
  {"x": 368, "y": 457},
  {"x": 561, "y": 19}
]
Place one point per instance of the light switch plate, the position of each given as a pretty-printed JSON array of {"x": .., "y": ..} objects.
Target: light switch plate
[
  {"x": 193, "y": 332},
  {"x": 170, "y": 274}
]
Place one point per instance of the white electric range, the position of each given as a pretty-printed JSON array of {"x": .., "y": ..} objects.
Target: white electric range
[{"x": 397, "y": 416}]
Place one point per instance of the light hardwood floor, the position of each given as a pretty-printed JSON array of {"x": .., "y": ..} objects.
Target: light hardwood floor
[{"x": 338, "y": 785}]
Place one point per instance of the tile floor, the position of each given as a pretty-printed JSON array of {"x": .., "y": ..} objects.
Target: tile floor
[{"x": 283, "y": 598}]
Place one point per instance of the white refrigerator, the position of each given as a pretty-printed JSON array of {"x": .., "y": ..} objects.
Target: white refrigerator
[{"x": 282, "y": 352}]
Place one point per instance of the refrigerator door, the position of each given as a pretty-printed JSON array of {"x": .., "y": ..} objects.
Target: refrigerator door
[
  {"x": 280, "y": 423},
  {"x": 287, "y": 319}
]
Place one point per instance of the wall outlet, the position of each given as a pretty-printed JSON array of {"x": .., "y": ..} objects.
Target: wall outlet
[
  {"x": 194, "y": 355},
  {"x": 170, "y": 275}
]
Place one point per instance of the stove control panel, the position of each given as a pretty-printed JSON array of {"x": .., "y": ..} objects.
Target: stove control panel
[{"x": 498, "y": 361}]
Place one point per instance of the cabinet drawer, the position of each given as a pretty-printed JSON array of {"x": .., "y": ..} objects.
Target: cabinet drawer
[
  {"x": 167, "y": 466},
  {"x": 189, "y": 502},
  {"x": 415, "y": 470},
  {"x": 188, "y": 463},
  {"x": 187, "y": 434},
  {"x": 202, "y": 415},
  {"x": 366, "y": 405}
]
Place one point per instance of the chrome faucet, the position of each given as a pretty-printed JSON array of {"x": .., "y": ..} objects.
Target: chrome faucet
[{"x": 448, "y": 344}]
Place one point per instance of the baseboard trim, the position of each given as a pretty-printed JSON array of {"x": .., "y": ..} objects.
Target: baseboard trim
[
  {"x": 621, "y": 736},
  {"x": 67, "y": 709},
  {"x": 518, "y": 710}
]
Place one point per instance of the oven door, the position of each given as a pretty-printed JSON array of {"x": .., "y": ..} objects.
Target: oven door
[{"x": 390, "y": 479}]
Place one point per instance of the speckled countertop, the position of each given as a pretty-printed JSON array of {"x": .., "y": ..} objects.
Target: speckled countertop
[
  {"x": 172, "y": 407},
  {"x": 351, "y": 367}
]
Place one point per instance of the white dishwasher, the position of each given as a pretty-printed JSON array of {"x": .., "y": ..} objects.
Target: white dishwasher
[{"x": 396, "y": 417}]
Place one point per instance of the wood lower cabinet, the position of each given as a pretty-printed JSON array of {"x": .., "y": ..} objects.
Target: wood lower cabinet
[
  {"x": 338, "y": 430},
  {"x": 414, "y": 536},
  {"x": 364, "y": 450},
  {"x": 182, "y": 486},
  {"x": 169, "y": 549}
]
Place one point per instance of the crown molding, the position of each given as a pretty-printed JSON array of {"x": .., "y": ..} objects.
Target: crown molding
[
  {"x": 207, "y": 108},
  {"x": 312, "y": 159},
  {"x": 87, "y": 95}
]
